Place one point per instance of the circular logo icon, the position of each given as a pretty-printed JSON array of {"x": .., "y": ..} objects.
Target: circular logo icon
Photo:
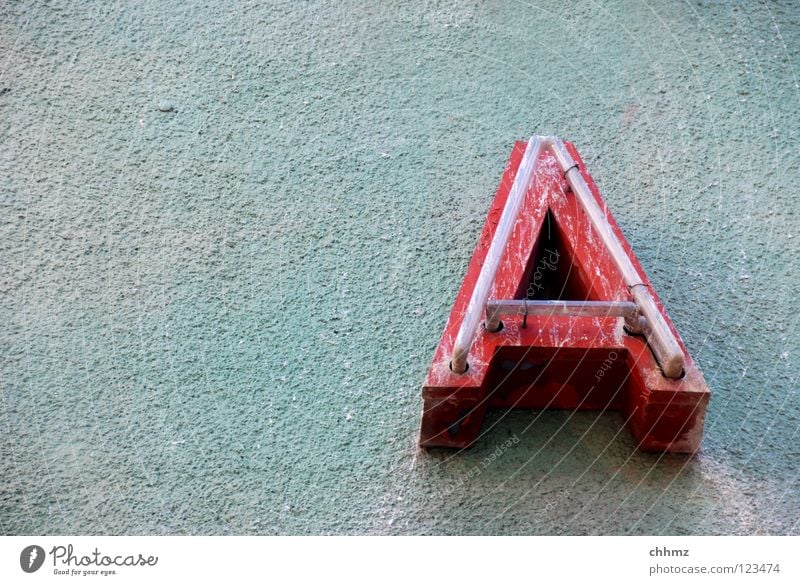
[{"x": 31, "y": 558}]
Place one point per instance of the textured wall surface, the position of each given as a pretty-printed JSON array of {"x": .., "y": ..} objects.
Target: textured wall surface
[{"x": 230, "y": 238}]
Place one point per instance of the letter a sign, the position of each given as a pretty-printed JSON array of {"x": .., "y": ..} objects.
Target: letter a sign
[{"x": 555, "y": 312}]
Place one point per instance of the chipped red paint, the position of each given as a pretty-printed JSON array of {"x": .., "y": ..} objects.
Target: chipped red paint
[{"x": 582, "y": 363}]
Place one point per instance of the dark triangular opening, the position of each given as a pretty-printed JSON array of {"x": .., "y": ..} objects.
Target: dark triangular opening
[{"x": 552, "y": 273}]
